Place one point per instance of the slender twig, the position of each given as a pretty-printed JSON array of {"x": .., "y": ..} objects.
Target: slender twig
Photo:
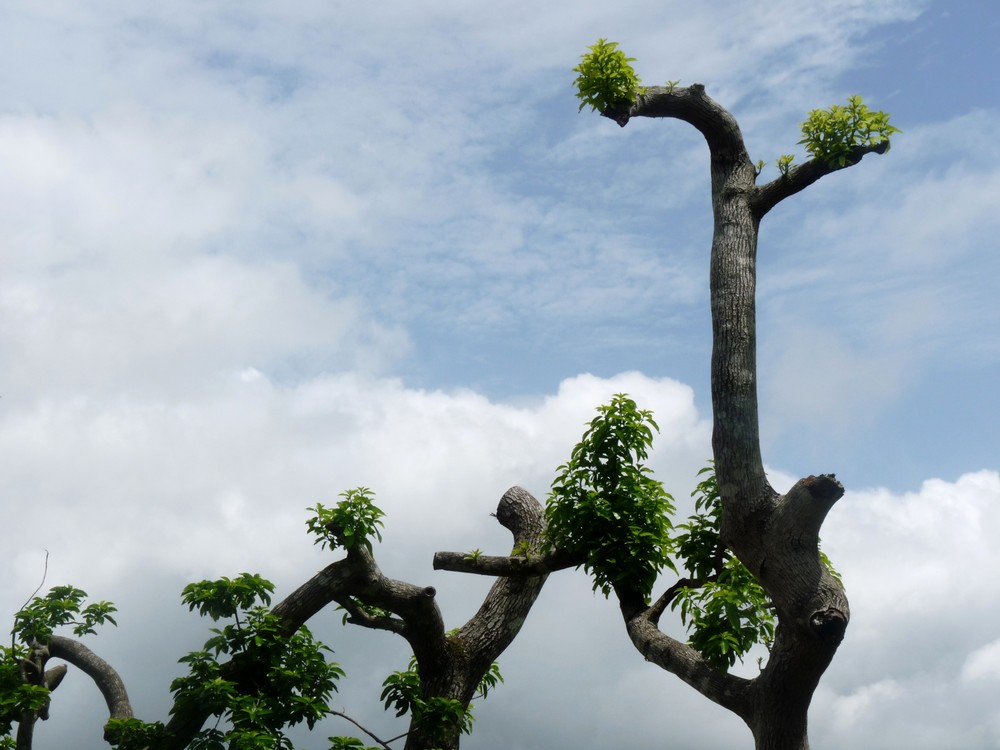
[
  {"x": 367, "y": 731},
  {"x": 45, "y": 574}
]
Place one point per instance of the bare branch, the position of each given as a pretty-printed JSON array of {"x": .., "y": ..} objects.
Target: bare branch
[
  {"x": 729, "y": 691},
  {"x": 103, "y": 674},
  {"x": 364, "y": 729},
  {"x": 511, "y": 566}
]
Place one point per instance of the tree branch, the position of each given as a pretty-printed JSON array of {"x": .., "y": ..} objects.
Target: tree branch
[
  {"x": 511, "y": 566},
  {"x": 766, "y": 197},
  {"x": 692, "y": 105},
  {"x": 660, "y": 605},
  {"x": 729, "y": 691},
  {"x": 365, "y": 729},
  {"x": 358, "y": 616},
  {"x": 357, "y": 575},
  {"x": 498, "y": 621},
  {"x": 108, "y": 681}
]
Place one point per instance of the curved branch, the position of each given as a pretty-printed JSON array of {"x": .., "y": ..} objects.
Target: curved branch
[
  {"x": 660, "y": 605},
  {"x": 729, "y": 691},
  {"x": 692, "y": 105},
  {"x": 103, "y": 674}
]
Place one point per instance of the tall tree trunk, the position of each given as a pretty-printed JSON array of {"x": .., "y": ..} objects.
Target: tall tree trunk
[{"x": 775, "y": 536}]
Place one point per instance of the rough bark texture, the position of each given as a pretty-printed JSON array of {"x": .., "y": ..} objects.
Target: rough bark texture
[{"x": 775, "y": 536}]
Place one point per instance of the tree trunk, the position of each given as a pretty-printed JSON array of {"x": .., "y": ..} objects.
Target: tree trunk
[
  {"x": 455, "y": 671},
  {"x": 775, "y": 536}
]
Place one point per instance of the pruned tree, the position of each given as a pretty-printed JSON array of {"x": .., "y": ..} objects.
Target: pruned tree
[
  {"x": 263, "y": 671},
  {"x": 769, "y": 539},
  {"x": 753, "y": 571}
]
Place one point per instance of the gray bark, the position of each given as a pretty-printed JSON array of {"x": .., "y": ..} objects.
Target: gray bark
[{"x": 775, "y": 536}]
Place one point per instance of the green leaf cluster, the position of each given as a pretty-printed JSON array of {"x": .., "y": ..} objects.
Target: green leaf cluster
[
  {"x": 605, "y": 506},
  {"x": 437, "y": 715},
  {"x": 727, "y": 616},
  {"x": 353, "y": 521},
  {"x": 17, "y": 696},
  {"x": 784, "y": 163},
  {"x": 832, "y": 134},
  {"x": 62, "y": 605},
  {"x": 728, "y": 611},
  {"x": 225, "y": 597},
  {"x": 274, "y": 679},
  {"x": 606, "y": 80},
  {"x": 134, "y": 733}
]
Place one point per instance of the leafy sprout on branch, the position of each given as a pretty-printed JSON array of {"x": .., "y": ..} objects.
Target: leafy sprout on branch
[
  {"x": 353, "y": 521},
  {"x": 606, "y": 80},
  {"x": 728, "y": 611},
  {"x": 607, "y": 509},
  {"x": 401, "y": 692},
  {"x": 831, "y": 134}
]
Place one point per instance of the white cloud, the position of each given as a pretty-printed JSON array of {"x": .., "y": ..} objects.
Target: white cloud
[
  {"x": 224, "y": 225},
  {"x": 983, "y": 664},
  {"x": 919, "y": 569}
]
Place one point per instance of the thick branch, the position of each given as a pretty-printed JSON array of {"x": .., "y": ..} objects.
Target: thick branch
[
  {"x": 103, "y": 674},
  {"x": 692, "y": 105},
  {"x": 729, "y": 691},
  {"x": 512, "y": 566},
  {"x": 506, "y": 606},
  {"x": 804, "y": 592},
  {"x": 355, "y": 576},
  {"x": 799, "y": 178}
]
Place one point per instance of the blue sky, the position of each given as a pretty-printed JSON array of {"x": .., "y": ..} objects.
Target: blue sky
[{"x": 257, "y": 253}]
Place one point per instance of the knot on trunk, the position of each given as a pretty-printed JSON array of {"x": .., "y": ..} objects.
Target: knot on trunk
[{"x": 829, "y": 625}]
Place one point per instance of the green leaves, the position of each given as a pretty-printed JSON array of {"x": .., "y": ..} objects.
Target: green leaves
[
  {"x": 606, "y": 507},
  {"x": 17, "y": 696},
  {"x": 353, "y": 521},
  {"x": 226, "y": 597},
  {"x": 832, "y": 134},
  {"x": 402, "y": 692},
  {"x": 62, "y": 605},
  {"x": 126, "y": 734},
  {"x": 727, "y": 611},
  {"x": 784, "y": 163},
  {"x": 727, "y": 616},
  {"x": 606, "y": 80},
  {"x": 349, "y": 743},
  {"x": 21, "y": 691},
  {"x": 273, "y": 679}
]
